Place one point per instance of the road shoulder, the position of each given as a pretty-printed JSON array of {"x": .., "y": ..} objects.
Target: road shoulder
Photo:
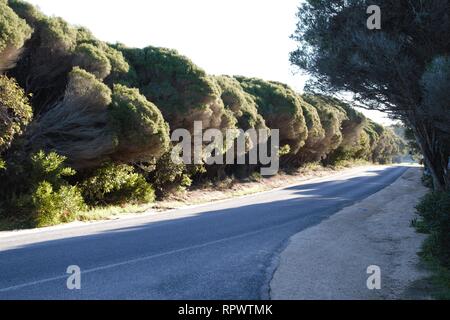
[{"x": 330, "y": 261}]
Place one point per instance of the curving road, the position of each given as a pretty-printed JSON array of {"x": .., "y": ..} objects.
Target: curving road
[{"x": 225, "y": 250}]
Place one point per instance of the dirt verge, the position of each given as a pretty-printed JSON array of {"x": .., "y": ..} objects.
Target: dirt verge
[{"x": 331, "y": 260}]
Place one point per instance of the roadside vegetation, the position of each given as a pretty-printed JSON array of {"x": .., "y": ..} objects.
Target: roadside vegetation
[
  {"x": 85, "y": 125},
  {"x": 434, "y": 211},
  {"x": 402, "y": 69}
]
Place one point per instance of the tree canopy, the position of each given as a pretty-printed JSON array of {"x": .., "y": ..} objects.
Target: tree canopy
[{"x": 393, "y": 69}]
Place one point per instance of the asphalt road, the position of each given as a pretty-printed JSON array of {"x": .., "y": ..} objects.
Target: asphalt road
[{"x": 226, "y": 250}]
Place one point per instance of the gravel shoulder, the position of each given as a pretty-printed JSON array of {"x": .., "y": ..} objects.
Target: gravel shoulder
[{"x": 330, "y": 260}]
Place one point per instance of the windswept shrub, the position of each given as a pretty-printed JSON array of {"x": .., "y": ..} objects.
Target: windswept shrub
[
  {"x": 331, "y": 118},
  {"x": 47, "y": 58},
  {"x": 14, "y": 31},
  {"x": 310, "y": 152},
  {"x": 352, "y": 126},
  {"x": 142, "y": 133},
  {"x": 354, "y": 139},
  {"x": 111, "y": 62},
  {"x": 281, "y": 108},
  {"x": 93, "y": 60},
  {"x": 15, "y": 111},
  {"x": 53, "y": 50},
  {"x": 117, "y": 184},
  {"x": 93, "y": 125},
  {"x": 183, "y": 91},
  {"x": 78, "y": 127},
  {"x": 388, "y": 147},
  {"x": 241, "y": 103}
]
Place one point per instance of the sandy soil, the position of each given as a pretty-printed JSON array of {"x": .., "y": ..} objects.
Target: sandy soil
[{"x": 330, "y": 261}]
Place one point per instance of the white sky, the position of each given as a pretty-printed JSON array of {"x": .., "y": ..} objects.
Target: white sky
[{"x": 235, "y": 37}]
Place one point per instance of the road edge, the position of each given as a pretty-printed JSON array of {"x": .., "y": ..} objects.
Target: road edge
[{"x": 287, "y": 282}]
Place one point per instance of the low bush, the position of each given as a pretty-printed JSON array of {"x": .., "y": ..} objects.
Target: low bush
[
  {"x": 169, "y": 176},
  {"x": 43, "y": 197},
  {"x": 115, "y": 185},
  {"x": 53, "y": 207},
  {"x": 434, "y": 210}
]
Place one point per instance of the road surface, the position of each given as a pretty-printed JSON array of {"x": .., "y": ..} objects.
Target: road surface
[{"x": 226, "y": 250}]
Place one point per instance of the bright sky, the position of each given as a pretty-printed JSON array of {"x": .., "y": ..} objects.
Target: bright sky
[{"x": 235, "y": 37}]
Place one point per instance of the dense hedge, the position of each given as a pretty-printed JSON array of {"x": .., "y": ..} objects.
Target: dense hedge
[
  {"x": 282, "y": 109},
  {"x": 183, "y": 91},
  {"x": 84, "y": 123}
]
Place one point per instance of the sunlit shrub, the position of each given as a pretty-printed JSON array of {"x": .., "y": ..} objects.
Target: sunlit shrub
[
  {"x": 116, "y": 184},
  {"x": 15, "y": 111},
  {"x": 52, "y": 207}
]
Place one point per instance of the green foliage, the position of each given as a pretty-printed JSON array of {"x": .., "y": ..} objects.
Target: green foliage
[
  {"x": 77, "y": 127},
  {"x": 331, "y": 117},
  {"x": 183, "y": 91},
  {"x": 434, "y": 210},
  {"x": 169, "y": 176},
  {"x": 402, "y": 69},
  {"x": 116, "y": 58},
  {"x": 169, "y": 79},
  {"x": 97, "y": 111},
  {"x": 116, "y": 184},
  {"x": 57, "y": 34},
  {"x": 316, "y": 134},
  {"x": 54, "y": 207},
  {"x": 83, "y": 84},
  {"x": 14, "y": 31},
  {"x": 241, "y": 103},
  {"x": 15, "y": 111},
  {"x": 53, "y": 50},
  {"x": 102, "y": 51},
  {"x": 92, "y": 59},
  {"x": 49, "y": 167},
  {"x": 282, "y": 109},
  {"x": 47, "y": 58},
  {"x": 26, "y": 11},
  {"x": 38, "y": 190},
  {"x": 143, "y": 134},
  {"x": 387, "y": 148}
]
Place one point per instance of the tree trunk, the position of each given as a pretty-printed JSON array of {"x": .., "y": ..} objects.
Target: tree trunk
[{"x": 430, "y": 149}]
